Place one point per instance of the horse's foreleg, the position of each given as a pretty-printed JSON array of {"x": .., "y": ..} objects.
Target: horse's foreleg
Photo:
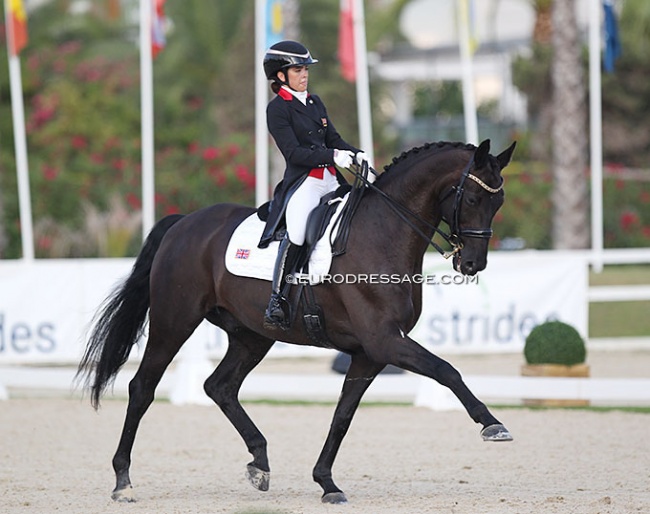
[
  {"x": 360, "y": 375},
  {"x": 409, "y": 355},
  {"x": 245, "y": 351}
]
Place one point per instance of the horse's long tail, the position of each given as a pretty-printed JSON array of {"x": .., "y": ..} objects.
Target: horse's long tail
[{"x": 121, "y": 320}]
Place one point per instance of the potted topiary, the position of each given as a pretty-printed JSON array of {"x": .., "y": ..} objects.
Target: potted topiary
[{"x": 555, "y": 349}]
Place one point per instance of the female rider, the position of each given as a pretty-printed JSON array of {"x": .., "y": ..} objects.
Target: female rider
[{"x": 310, "y": 145}]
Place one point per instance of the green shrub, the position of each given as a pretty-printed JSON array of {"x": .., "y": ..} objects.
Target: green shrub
[{"x": 555, "y": 342}]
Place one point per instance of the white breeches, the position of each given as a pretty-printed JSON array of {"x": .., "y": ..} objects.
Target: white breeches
[{"x": 303, "y": 201}]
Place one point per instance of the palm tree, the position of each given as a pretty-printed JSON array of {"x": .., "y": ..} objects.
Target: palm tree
[{"x": 568, "y": 135}]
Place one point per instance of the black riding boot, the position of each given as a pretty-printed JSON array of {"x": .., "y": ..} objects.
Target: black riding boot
[{"x": 275, "y": 315}]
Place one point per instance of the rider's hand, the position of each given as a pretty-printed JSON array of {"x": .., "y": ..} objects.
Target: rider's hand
[
  {"x": 363, "y": 156},
  {"x": 360, "y": 158},
  {"x": 343, "y": 158}
]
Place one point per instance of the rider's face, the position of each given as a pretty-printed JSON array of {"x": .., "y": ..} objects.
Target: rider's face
[{"x": 298, "y": 78}]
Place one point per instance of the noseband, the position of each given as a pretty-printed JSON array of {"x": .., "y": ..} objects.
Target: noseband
[{"x": 454, "y": 237}]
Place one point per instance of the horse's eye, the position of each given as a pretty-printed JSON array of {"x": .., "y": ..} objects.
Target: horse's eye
[{"x": 471, "y": 201}]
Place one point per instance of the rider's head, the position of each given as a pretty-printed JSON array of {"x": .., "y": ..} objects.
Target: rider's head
[{"x": 282, "y": 56}]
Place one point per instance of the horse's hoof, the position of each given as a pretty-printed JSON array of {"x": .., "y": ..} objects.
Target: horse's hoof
[
  {"x": 334, "y": 498},
  {"x": 125, "y": 495},
  {"x": 496, "y": 433},
  {"x": 258, "y": 478}
]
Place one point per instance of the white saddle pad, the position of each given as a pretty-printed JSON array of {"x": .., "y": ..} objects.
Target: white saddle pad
[{"x": 245, "y": 259}]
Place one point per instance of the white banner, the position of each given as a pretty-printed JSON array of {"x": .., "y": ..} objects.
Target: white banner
[
  {"x": 46, "y": 306},
  {"x": 495, "y": 310}
]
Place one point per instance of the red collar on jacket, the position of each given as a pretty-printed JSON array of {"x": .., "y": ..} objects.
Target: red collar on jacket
[{"x": 286, "y": 95}]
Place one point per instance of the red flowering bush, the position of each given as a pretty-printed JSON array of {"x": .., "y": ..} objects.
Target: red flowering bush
[
  {"x": 626, "y": 213},
  {"x": 83, "y": 132},
  {"x": 527, "y": 211}
]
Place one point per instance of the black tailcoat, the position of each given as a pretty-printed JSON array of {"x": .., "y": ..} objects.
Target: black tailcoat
[{"x": 307, "y": 138}]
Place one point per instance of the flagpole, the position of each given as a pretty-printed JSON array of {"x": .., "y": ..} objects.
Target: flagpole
[
  {"x": 261, "y": 99},
  {"x": 362, "y": 81},
  {"x": 20, "y": 144},
  {"x": 469, "y": 101},
  {"x": 146, "y": 101},
  {"x": 595, "y": 129}
]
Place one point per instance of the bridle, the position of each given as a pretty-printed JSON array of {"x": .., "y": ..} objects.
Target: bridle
[
  {"x": 454, "y": 226},
  {"x": 454, "y": 238}
]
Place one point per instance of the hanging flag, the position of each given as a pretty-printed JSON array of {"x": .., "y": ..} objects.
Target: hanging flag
[
  {"x": 612, "y": 40},
  {"x": 157, "y": 27},
  {"x": 346, "y": 41},
  {"x": 18, "y": 29},
  {"x": 274, "y": 22}
]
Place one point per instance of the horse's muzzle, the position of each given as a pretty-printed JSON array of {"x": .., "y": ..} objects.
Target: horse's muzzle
[{"x": 466, "y": 266}]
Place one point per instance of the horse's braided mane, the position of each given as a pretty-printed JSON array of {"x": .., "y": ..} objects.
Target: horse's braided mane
[{"x": 437, "y": 145}]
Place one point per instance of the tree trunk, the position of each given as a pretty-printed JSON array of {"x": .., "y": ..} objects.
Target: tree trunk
[
  {"x": 542, "y": 110},
  {"x": 569, "y": 133}
]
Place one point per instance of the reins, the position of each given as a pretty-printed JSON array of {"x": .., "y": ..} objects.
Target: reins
[{"x": 453, "y": 238}]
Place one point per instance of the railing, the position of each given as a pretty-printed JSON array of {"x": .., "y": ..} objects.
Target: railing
[{"x": 629, "y": 293}]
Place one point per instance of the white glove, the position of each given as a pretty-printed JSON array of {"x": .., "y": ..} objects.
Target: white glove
[
  {"x": 343, "y": 158},
  {"x": 363, "y": 156}
]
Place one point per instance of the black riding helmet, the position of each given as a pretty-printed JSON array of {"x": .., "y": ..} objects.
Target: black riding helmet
[{"x": 283, "y": 55}]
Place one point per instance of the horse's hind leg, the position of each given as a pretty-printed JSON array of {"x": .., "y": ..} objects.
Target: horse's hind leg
[
  {"x": 245, "y": 351},
  {"x": 158, "y": 354},
  {"x": 360, "y": 375}
]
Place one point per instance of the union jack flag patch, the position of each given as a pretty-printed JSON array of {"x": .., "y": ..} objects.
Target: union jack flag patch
[{"x": 242, "y": 253}]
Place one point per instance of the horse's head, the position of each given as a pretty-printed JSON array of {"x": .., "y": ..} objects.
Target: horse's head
[{"x": 470, "y": 204}]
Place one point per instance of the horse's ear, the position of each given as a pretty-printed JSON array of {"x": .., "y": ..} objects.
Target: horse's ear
[
  {"x": 504, "y": 157},
  {"x": 482, "y": 153}
]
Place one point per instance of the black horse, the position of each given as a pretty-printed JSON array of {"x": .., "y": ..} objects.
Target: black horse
[{"x": 180, "y": 279}]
